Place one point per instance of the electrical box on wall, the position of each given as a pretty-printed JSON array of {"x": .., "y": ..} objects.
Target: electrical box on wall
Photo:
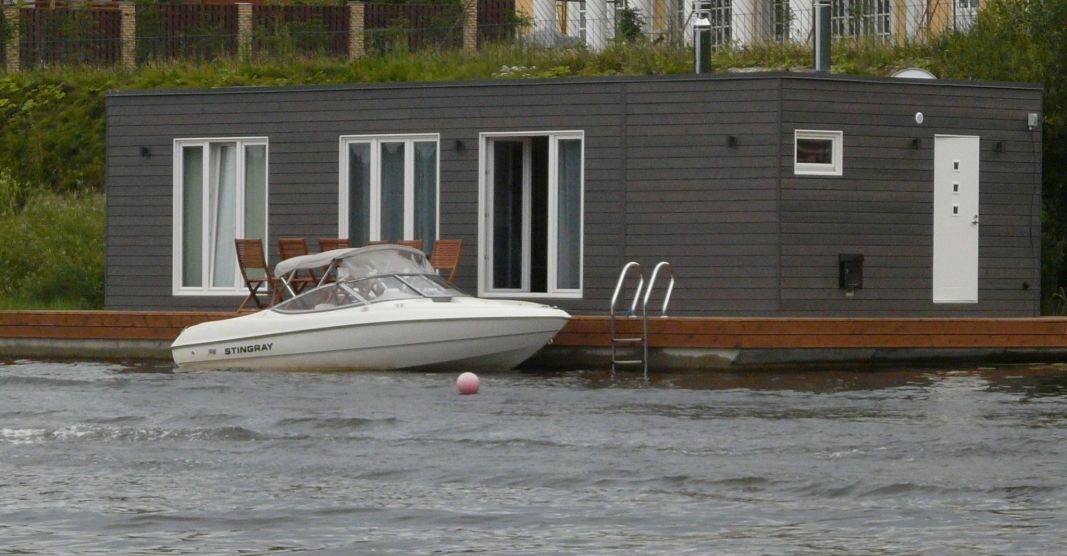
[{"x": 850, "y": 271}]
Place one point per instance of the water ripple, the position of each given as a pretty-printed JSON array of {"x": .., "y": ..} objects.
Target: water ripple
[
  {"x": 89, "y": 433},
  {"x": 122, "y": 458}
]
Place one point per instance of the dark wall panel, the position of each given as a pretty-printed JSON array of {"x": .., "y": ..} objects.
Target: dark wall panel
[
  {"x": 882, "y": 205},
  {"x": 693, "y": 170}
]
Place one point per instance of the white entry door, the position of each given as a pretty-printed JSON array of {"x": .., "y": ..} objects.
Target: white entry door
[{"x": 955, "y": 219}]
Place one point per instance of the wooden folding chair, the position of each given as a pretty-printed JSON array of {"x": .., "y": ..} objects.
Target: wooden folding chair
[
  {"x": 289, "y": 247},
  {"x": 255, "y": 271},
  {"x": 331, "y": 243},
  {"x": 445, "y": 256},
  {"x": 416, "y": 243}
]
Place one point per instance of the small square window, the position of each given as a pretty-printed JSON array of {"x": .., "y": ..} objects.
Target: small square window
[{"x": 817, "y": 153}]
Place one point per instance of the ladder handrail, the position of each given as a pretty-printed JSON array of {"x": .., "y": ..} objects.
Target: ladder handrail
[
  {"x": 652, "y": 285},
  {"x": 626, "y": 271},
  {"x": 644, "y": 305},
  {"x": 630, "y": 266},
  {"x": 618, "y": 287}
]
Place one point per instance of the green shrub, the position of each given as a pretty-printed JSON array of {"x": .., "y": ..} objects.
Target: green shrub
[
  {"x": 630, "y": 26},
  {"x": 1026, "y": 40},
  {"x": 53, "y": 252}
]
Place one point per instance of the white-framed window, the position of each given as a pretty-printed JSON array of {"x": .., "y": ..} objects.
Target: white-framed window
[
  {"x": 531, "y": 215},
  {"x": 964, "y": 14},
  {"x": 389, "y": 188},
  {"x": 861, "y": 18},
  {"x": 781, "y": 19},
  {"x": 720, "y": 19},
  {"x": 720, "y": 16},
  {"x": 817, "y": 152},
  {"x": 220, "y": 194}
]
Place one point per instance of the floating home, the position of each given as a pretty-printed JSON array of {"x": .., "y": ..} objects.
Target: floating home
[{"x": 775, "y": 194}]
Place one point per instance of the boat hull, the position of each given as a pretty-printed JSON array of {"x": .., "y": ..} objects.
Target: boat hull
[{"x": 468, "y": 336}]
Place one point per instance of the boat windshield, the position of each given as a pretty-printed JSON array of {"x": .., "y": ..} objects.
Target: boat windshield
[
  {"x": 371, "y": 289},
  {"x": 370, "y": 275}
]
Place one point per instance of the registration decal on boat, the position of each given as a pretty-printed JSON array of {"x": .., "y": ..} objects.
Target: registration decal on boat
[{"x": 251, "y": 348}]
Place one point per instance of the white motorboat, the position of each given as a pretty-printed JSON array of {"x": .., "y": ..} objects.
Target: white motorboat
[{"x": 378, "y": 307}]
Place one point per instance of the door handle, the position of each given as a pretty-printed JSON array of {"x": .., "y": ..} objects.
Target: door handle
[{"x": 975, "y": 220}]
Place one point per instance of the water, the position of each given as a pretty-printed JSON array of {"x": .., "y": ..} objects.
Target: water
[{"x": 105, "y": 458}]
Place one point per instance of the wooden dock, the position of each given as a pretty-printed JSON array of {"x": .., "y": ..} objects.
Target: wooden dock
[
  {"x": 148, "y": 333},
  {"x": 827, "y": 333}
]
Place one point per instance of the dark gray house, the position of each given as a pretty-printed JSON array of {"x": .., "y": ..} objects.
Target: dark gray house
[{"x": 771, "y": 194}]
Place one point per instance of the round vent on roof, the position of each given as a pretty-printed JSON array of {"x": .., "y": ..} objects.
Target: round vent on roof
[{"x": 914, "y": 73}]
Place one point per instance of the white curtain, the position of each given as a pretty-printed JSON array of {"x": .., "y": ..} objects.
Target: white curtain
[
  {"x": 192, "y": 217},
  {"x": 426, "y": 193},
  {"x": 224, "y": 215},
  {"x": 569, "y": 215},
  {"x": 256, "y": 192}
]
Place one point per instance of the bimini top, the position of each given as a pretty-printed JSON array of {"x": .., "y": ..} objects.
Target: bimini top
[
  {"x": 361, "y": 262},
  {"x": 364, "y": 276}
]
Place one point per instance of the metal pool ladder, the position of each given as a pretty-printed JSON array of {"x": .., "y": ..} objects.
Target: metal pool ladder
[{"x": 617, "y": 340}]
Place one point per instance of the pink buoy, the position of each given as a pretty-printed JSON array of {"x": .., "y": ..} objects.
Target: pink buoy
[{"x": 467, "y": 383}]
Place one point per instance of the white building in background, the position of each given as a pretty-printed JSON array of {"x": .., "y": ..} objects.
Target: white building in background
[{"x": 740, "y": 23}]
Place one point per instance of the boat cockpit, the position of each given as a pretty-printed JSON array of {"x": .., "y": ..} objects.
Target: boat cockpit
[{"x": 363, "y": 276}]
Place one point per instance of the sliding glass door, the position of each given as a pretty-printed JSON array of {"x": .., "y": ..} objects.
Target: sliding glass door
[{"x": 532, "y": 222}]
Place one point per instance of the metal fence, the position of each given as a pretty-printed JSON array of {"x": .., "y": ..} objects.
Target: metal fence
[
  {"x": 497, "y": 21},
  {"x": 306, "y": 30},
  {"x": 94, "y": 35},
  {"x": 395, "y": 27},
  {"x": 4, "y": 31},
  {"x": 738, "y": 24},
  {"x": 68, "y": 36},
  {"x": 199, "y": 32}
]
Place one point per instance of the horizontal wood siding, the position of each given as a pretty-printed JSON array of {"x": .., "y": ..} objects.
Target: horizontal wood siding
[
  {"x": 692, "y": 199},
  {"x": 882, "y": 205},
  {"x": 695, "y": 170},
  {"x": 303, "y": 129}
]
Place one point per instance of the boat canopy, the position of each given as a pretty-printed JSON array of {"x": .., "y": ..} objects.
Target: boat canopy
[
  {"x": 361, "y": 262},
  {"x": 365, "y": 275}
]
